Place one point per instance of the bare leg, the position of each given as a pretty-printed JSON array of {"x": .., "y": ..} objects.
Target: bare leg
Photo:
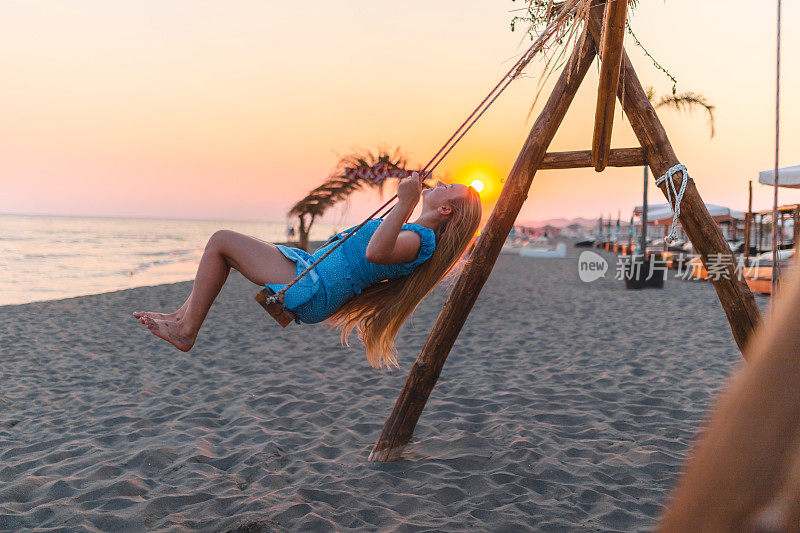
[
  {"x": 175, "y": 315},
  {"x": 259, "y": 261}
]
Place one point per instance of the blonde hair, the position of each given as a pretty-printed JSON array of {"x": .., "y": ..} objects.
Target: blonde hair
[{"x": 379, "y": 311}]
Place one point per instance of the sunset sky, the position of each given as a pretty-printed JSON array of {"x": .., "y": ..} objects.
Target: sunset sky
[{"x": 234, "y": 110}]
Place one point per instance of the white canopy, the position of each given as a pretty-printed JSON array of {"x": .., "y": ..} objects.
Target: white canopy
[
  {"x": 787, "y": 177},
  {"x": 662, "y": 213}
]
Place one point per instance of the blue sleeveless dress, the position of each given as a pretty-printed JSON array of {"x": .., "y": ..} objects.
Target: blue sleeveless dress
[{"x": 345, "y": 273}]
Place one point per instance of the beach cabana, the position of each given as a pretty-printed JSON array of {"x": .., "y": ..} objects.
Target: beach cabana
[
  {"x": 787, "y": 177},
  {"x": 759, "y": 275},
  {"x": 661, "y": 215}
]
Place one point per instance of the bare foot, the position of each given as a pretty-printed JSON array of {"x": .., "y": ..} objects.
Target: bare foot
[
  {"x": 177, "y": 315},
  {"x": 171, "y": 331}
]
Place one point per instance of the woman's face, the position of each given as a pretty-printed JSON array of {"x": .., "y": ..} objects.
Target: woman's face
[{"x": 443, "y": 194}]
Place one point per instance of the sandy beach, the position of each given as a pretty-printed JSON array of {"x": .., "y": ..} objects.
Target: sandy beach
[{"x": 564, "y": 406}]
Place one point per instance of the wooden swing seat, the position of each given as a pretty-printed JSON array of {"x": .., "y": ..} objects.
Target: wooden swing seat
[{"x": 282, "y": 316}]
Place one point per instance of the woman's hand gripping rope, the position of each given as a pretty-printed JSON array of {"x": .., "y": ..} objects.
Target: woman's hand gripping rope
[{"x": 409, "y": 191}]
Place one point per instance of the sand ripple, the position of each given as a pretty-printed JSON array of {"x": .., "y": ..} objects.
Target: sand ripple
[{"x": 563, "y": 407}]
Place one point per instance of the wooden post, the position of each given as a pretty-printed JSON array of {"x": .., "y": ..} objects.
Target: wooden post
[
  {"x": 781, "y": 234},
  {"x": 619, "y": 157},
  {"x": 704, "y": 233},
  {"x": 643, "y": 241},
  {"x": 629, "y": 250},
  {"x": 748, "y": 223},
  {"x": 613, "y": 37},
  {"x": 796, "y": 232},
  {"x": 303, "y": 232},
  {"x": 399, "y": 427},
  {"x": 599, "y": 240}
]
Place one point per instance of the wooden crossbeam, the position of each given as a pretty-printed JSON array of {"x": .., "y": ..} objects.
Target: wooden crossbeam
[
  {"x": 611, "y": 60},
  {"x": 619, "y": 157}
]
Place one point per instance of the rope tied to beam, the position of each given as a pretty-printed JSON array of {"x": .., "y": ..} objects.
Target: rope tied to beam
[{"x": 674, "y": 197}]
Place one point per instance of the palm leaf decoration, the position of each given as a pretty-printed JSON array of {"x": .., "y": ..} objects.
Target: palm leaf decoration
[
  {"x": 353, "y": 172},
  {"x": 686, "y": 101}
]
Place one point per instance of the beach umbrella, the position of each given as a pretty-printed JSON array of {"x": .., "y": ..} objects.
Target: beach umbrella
[
  {"x": 787, "y": 177},
  {"x": 662, "y": 213}
]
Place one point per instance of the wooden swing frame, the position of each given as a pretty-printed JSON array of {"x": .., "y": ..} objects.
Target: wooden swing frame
[{"x": 602, "y": 37}]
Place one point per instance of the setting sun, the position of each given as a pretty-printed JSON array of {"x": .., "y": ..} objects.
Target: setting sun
[
  {"x": 482, "y": 175},
  {"x": 477, "y": 185}
]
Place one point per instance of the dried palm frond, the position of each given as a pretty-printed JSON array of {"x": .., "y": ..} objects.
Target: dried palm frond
[
  {"x": 541, "y": 13},
  {"x": 353, "y": 172},
  {"x": 561, "y": 22},
  {"x": 685, "y": 101}
]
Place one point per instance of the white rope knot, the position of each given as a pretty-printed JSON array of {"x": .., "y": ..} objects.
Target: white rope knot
[{"x": 674, "y": 197}]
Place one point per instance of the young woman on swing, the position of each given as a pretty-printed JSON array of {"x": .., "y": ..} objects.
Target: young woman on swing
[{"x": 371, "y": 283}]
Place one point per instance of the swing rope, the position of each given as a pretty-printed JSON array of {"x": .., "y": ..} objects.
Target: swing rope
[
  {"x": 776, "y": 265},
  {"x": 428, "y": 172},
  {"x": 448, "y": 146}
]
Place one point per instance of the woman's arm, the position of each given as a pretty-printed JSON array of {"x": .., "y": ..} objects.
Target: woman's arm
[{"x": 388, "y": 245}]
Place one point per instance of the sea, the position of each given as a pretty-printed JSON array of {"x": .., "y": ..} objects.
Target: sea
[{"x": 54, "y": 257}]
